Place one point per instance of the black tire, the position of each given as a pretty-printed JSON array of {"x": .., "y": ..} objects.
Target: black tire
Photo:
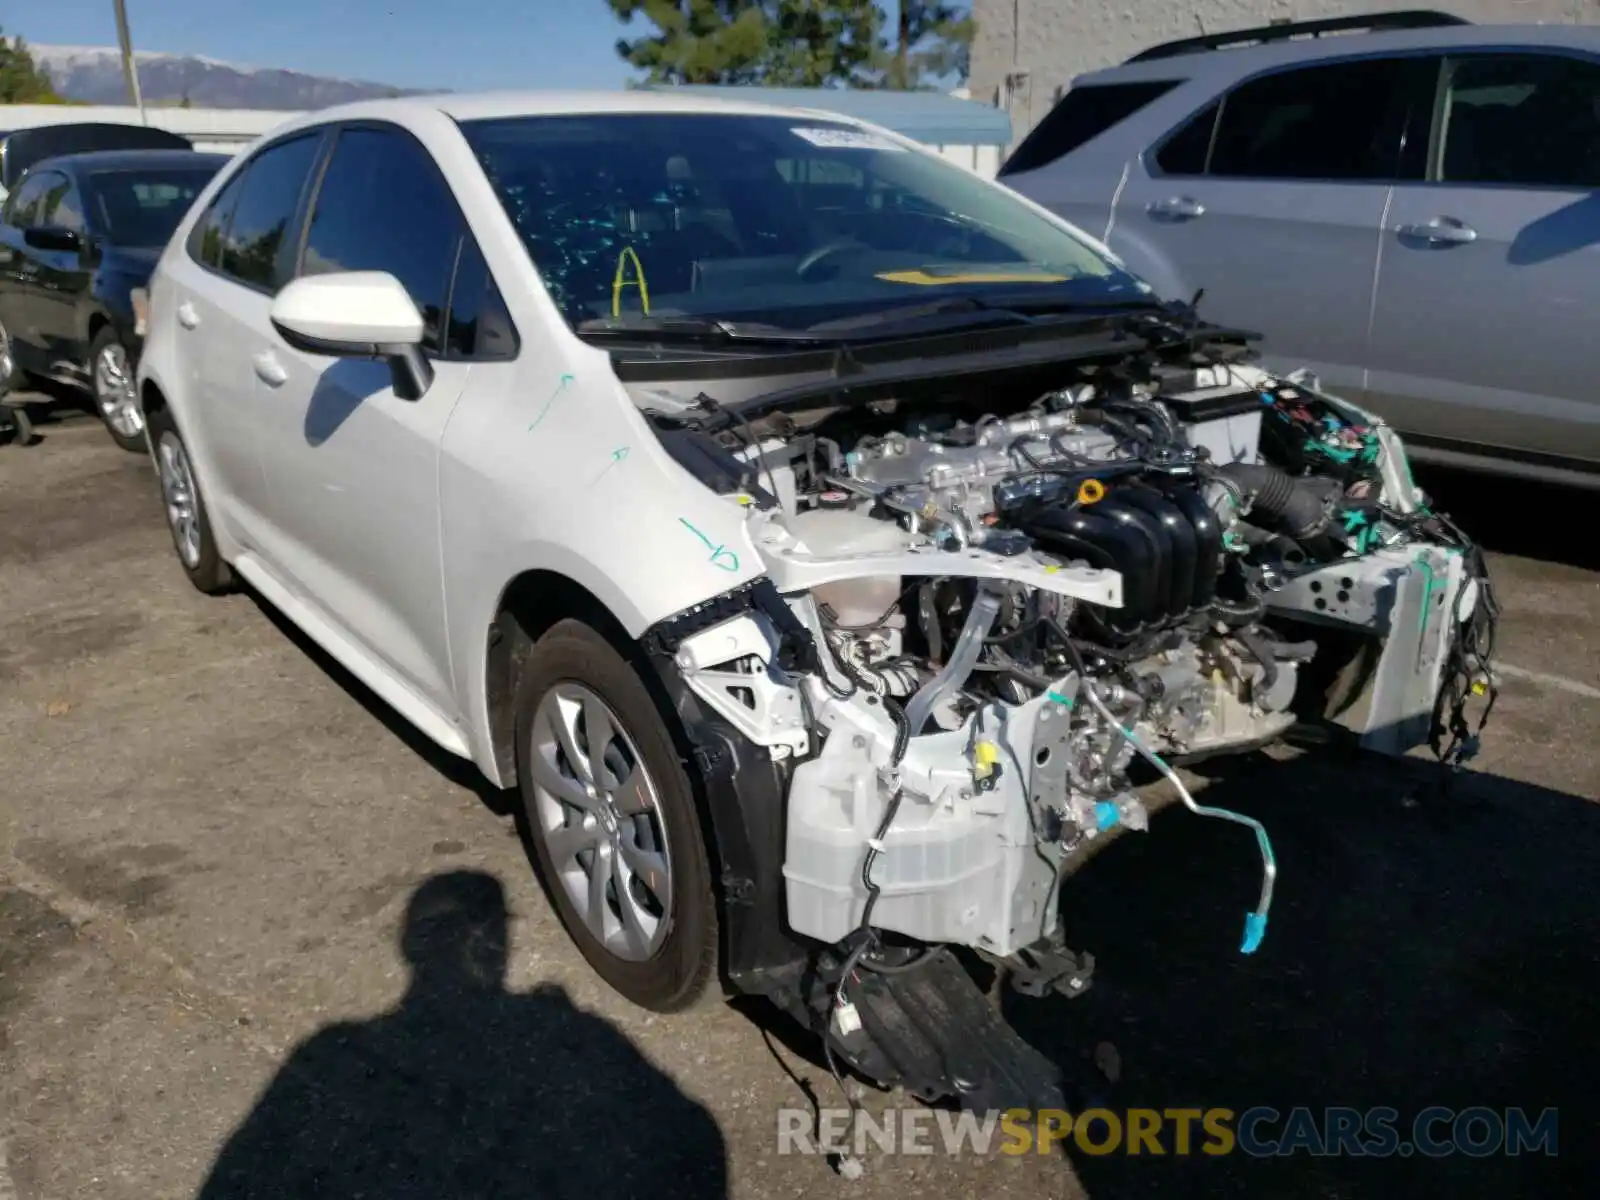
[
  {"x": 12, "y": 378},
  {"x": 675, "y": 973},
  {"x": 105, "y": 340},
  {"x": 200, "y": 561}
]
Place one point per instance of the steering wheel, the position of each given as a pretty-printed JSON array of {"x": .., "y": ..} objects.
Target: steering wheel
[{"x": 824, "y": 251}]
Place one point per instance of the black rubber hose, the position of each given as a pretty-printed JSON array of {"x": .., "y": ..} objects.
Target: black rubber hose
[
  {"x": 1286, "y": 548},
  {"x": 1261, "y": 651},
  {"x": 1279, "y": 502},
  {"x": 1207, "y": 539}
]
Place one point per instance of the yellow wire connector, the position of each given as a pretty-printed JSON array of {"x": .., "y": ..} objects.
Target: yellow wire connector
[
  {"x": 984, "y": 757},
  {"x": 620, "y": 280},
  {"x": 1091, "y": 491}
]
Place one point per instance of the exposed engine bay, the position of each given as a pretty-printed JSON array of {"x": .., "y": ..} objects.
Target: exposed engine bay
[{"x": 1014, "y": 604}]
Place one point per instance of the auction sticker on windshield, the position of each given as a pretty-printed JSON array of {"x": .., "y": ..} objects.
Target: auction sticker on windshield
[{"x": 845, "y": 139}]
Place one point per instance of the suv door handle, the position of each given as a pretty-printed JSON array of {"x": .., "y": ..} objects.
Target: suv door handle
[
  {"x": 1183, "y": 207},
  {"x": 268, "y": 369},
  {"x": 1441, "y": 231},
  {"x": 187, "y": 316}
]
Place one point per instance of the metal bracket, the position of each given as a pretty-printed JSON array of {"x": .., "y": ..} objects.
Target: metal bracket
[{"x": 1048, "y": 967}]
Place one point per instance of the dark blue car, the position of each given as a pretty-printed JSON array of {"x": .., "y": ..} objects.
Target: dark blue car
[{"x": 78, "y": 234}]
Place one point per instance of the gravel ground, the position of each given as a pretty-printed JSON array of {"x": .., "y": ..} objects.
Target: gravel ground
[{"x": 211, "y": 840}]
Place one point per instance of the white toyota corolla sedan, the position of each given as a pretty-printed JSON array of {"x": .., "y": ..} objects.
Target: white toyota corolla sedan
[{"x": 813, "y": 533}]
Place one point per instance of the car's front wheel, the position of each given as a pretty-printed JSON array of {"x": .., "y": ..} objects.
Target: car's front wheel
[
  {"x": 116, "y": 398},
  {"x": 612, "y": 818},
  {"x": 186, "y": 510}
]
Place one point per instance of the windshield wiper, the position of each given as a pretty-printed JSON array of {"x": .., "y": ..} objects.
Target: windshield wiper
[
  {"x": 1011, "y": 308},
  {"x": 698, "y": 329}
]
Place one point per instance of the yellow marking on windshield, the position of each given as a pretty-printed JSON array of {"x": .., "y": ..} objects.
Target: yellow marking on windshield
[
  {"x": 620, "y": 280},
  {"x": 928, "y": 279}
]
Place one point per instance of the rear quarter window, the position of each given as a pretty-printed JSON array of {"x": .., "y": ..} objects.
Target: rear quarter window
[{"x": 1083, "y": 113}]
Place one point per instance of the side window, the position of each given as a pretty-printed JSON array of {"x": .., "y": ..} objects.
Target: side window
[
  {"x": 1187, "y": 151},
  {"x": 479, "y": 326},
  {"x": 1335, "y": 121},
  {"x": 205, "y": 239},
  {"x": 1084, "y": 113},
  {"x": 384, "y": 206},
  {"x": 27, "y": 202},
  {"x": 62, "y": 207},
  {"x": 253, "y": 249},
  {"x": 1529, "y": 119}
]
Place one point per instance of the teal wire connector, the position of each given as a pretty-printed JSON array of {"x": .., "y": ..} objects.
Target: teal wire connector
[{"x": 1255, "y": 928}]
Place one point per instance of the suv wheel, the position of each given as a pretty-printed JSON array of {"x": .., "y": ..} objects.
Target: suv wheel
[
  {"x": 612, "y": 818},
  {"x": 186, "y": 510},
  {"x": 116, "y": 398}
]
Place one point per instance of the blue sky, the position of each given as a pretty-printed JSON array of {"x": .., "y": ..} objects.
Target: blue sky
[{"x": 461, "y": 45}]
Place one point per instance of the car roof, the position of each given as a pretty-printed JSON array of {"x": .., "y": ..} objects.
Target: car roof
[
  {"x": 1231, "y": 62},
  {"x": 472, "y": 106},
  {"x": 130, "y": 160}
]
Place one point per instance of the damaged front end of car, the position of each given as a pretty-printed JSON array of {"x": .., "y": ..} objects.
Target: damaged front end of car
[{"x": 989, "y": 596}]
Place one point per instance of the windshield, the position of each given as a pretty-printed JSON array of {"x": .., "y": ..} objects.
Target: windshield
[
  {"x": 141, "y": 207},
  {"x": 783, "y": 220}
]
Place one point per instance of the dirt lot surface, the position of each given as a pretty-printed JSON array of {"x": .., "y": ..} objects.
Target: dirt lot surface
[{"x": 211, "y": 837}]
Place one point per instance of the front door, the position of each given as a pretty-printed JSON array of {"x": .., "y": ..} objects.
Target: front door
[{"x": 354, "y": 468}]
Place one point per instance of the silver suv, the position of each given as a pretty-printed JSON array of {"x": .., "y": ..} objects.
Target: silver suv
[{"x": 1409, "y": 208}]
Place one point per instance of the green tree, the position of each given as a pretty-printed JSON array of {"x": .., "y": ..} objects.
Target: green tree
[
  {"x": 779, "y": 43},
  {"x": 21, "y": 81},
  {"x": 932, "y": 45},
  {"x": 696, "y": 41},
  {"x": 818, "y": 43}
]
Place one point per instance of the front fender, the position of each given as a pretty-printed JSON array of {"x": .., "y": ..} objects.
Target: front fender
[{"x": 551, "y": 469}]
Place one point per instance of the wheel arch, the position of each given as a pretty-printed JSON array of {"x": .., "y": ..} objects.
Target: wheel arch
[{"x": 530, "y": 604}]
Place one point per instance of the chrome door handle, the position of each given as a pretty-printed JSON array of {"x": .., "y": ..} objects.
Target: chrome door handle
[
  {"x": 268, "y": 369},
  {"x": 1176, "y": 206},
  {"x": 1441, "y": 230},
  {"x": 187, "y": 317}
]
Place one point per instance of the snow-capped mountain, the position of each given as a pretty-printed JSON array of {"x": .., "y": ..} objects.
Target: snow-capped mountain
[{"x": 94, "y": 74}]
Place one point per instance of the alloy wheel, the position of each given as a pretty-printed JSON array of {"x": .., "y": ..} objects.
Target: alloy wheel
[
  {"x": 183, "y": 502},
  {"x": 598, "y": 812},
  {"x": 114, "y": 391}
]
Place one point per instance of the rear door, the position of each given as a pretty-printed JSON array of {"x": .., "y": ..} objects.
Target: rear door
[
  {"x": 239, "y": 253},
  {"x": 1488, "y": 296},
  {"x": 1271, "y": 200}
]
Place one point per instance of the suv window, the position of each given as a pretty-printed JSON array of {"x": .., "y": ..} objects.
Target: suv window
[
  {"x": 1083, "y": 113},
  {"x": 1530, "y": 119},
  {"x": 1333, "y": 121},
  {"x": 253, "y": 250},
  {"x": 411, "y": 232},
  {"x": 28, "y": 201}
]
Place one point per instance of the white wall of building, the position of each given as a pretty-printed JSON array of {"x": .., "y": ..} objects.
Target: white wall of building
[{"x": 1027, "y": 51}]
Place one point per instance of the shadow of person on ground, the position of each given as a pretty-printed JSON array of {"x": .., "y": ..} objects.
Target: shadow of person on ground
[
  {"x": 466, "y": 1089},
  {"x": 1423, "y": 950}
]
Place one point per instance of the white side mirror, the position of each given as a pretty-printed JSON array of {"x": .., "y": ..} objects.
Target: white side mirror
[{"x": 356, "y": 314}]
